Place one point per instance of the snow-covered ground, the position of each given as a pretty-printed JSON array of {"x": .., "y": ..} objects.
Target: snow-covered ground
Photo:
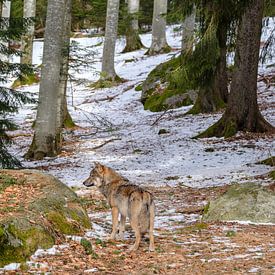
[{"x": 117, "y": 131}]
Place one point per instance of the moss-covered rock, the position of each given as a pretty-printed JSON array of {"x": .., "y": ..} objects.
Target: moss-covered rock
[
  {"x": 246, "y": 202},
  {"x": 157, "y": 95},
  {"x": 38, "y": 209}
]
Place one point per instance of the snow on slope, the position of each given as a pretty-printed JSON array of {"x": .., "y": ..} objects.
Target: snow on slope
[{"x": 117, "y": 131}]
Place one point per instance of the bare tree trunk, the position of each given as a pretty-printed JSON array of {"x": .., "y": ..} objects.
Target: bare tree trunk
[
  {"x": 63, "y": 117},
  {"x": 6, "y": 10},
  {"x": 188, "y": 28},
  {"x": 133, "y": 41},
  {"x": 108, "y": 59},
  {"x": 242, "y": 112},
  {"x": 159, "y": 43},
  {"x": 27, "y": 39},
  {"x": 47, "y": 136}
]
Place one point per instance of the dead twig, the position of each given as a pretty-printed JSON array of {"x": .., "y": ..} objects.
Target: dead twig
[{"x": 103, "y": 144}]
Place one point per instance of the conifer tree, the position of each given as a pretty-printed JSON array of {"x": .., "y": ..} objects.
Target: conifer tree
[
  {"x": 242, "y": 112},
  {"x": 10, "y": 100}
]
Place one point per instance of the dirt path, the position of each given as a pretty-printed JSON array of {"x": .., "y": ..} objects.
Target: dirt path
[{"x": 184, "y": 244}]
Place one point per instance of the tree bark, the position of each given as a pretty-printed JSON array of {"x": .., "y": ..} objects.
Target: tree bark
[
  {"x": 188, "y": 27},
  {"x": 63, "y": 117},
  {"x": 5, "y": 13},
  {"x": 213, "y": 98},
  {"x": 27, "y": 39},
  {"x": 108, "y": 67},
  {"x": 159, "y": 42},
  {"x": 47, "y": 136},
  {"x": 242, "y": 112},
  {"x": 133, "y": 41}
]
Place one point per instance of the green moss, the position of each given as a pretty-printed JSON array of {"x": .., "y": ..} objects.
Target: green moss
[
  {"x": 62, "y": 224},
  {"x": 272, "y": 175},
  {"x": 206, "y": 208},
  {"x": 138, "y": 88},
  {"x": 106, "y": 82},
  {"x": 6, "y": 181},
  {"x": 87, "y": 246},
  {"x": 80, "y": 216},
  {"x": 68, "y": 122},
  {"x": 196, "y": 227},
  {"x": 17, "y": 244},
  {"x": 270, "y": 161},
  {"x": 25, "y": 80},
  {"x": 230, "y": 129},
  {"x": 156, "y": 102}
]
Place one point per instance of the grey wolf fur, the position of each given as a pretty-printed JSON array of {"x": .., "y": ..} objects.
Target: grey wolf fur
[{"x": 126, "y": 199}]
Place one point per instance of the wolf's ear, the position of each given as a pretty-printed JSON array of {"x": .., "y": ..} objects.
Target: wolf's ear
[{"x": 98, "y": 166}]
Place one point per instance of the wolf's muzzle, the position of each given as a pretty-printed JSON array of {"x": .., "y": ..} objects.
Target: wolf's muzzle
[{"x": 87, "y": 183}]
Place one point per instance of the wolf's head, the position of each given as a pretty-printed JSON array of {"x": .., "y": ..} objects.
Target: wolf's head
[{"x": 96, "y": 177}]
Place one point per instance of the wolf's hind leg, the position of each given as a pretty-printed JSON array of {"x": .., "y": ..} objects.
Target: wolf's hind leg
[
  {"x": 114, "y": 222},
  {"x": 135, "y": 225},
  {"x": 122, "y": 226},
  {"x": 151, "y": 227}
]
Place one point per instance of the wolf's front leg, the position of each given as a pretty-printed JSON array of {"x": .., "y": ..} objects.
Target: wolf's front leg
[{"x": 114, "y": 222}]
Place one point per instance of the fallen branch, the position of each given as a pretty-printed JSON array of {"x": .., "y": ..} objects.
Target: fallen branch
[
  {"x": 103, "y": 144},
  {"x": 160, "y": 117}
]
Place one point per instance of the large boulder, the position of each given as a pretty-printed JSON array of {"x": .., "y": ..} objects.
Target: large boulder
[
  {"x": 36, "y": 210},
  {"x": 245, "y": 202},
  {"x": 157, "y": 95}
]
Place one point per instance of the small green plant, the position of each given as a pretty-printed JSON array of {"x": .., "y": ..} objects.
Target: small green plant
[
  {"x": 138, "y": 88},
  {"x": 87, "y": 246},
  {"x": 230, "y": 233},
  {"x": 6, "y": 181},
  {"x": 100, "y": 242}
]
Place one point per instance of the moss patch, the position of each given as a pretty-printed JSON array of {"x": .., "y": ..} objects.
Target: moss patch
[
  {"x": 39, "y": 209},
  {"x": 24, "y": 80},
  {"x": 270, "y": 161},
  {"x": 19, "y": 239},
  {"x": 106, "y": 83},
  {"x": 246, "y": 202},
  {"x": 158, "y": 94},
  {"x": 6, "y": 181}
]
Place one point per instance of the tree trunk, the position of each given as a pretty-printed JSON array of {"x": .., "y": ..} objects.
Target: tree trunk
[
  {"x": 133, "y": 41},
  {"x": 108, "y": 59},
  {"x": 6, "y": 10},
  {"x": 188, "y": 28},
  {"x": 63, "y": 117},
  {"x": 47, "y": 136},
  {"x": 242, "y": 112},
  {"x": 211, "y": 99},
  {"x": 159, "y": 42},
  {"x": 27, "y": 39}
]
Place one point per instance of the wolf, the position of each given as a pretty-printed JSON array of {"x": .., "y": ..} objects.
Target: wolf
[{"x": 126, "y": 199}]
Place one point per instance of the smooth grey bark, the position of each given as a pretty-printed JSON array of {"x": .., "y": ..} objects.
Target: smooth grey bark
[
  {"x": 47, "y": 136},
  {"x": 5, "y": 13},
  {"x": 188, "y": 27},
  {"x": 62, "y": 111},
  {"x": 133, "y": 41},
  {"x": 108, "y": 59},
  {"x": 159, "y": 42},
  {"x": 27, "y": 39}
]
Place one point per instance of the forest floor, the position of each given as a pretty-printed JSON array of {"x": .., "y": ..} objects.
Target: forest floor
[
  {"x": 184, "y": 243},
  {"x": 182, "y": 173}
]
